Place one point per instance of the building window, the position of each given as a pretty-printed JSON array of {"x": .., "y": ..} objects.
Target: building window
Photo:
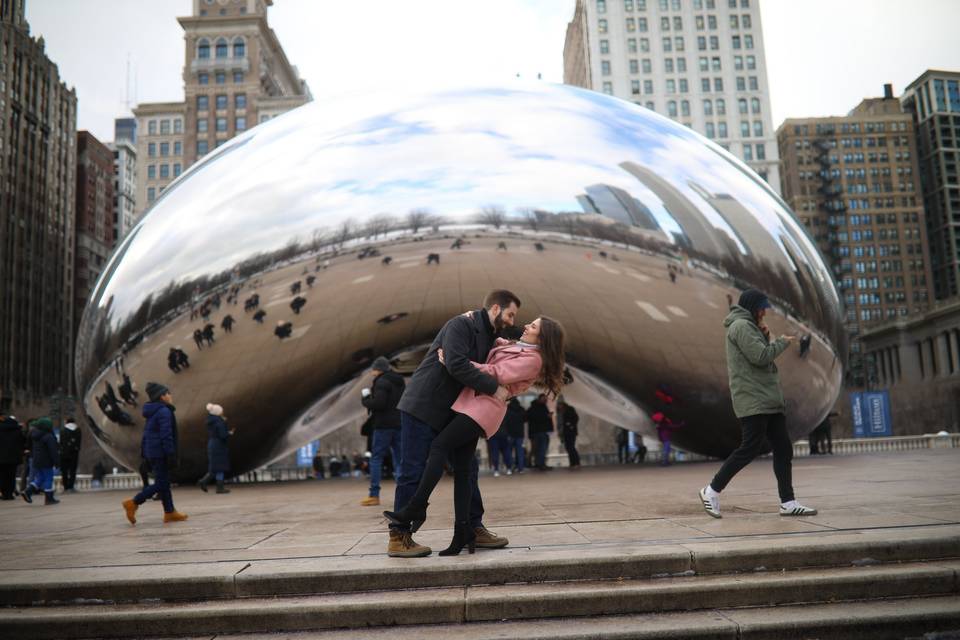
[
  {"x": 151, "y": 194},
  {"x": 203, "y": 103},
  {"x": 742, "y": 105},
  {"x": 671, "y": 86},
  {"x": 751, "y": 62},
  {"x": 151, "y": 171},
  {"x": 718, "y": 84},
  {"x": 715, "y": 64},
  {"x": 712, "y": 23},
  {"x": 203, "y": 78},
  {"x": 152, "y": 149},
  {"x": 601, "y": 6},
  {"x": 628, "y": 5},
  {"x": 745, "y": 21},
  {"x": 710, "y": 130},
  {"x": 647, "y": 65},
  {"x": 631, "y": 24},
  {"x": 608, "y": 88},
  {"x": 635, "y": 87},
  {"x": 221, "y": 77},
  {"x": 701, "y": 43},
  {"x": 221, "y": 124},
  {"x": 707, "y": 107},
  {"x": 634, "y": 66},
  {"x": 685, "y": 107},
  {"x": 240, "y": 101},
  {"x": 684, "y": 87},
  {"x": 222, "y": 48},
  {"x": 202, "y": 147},
  {"x": 648, "y": 87},
  {"x": 645, "y": 45},
  {"x": 152, "y": 128},
  {"x": 721, "y": 107},
  {"x": 736, "y": 42},
  {"x": 602, "y": 25},
  {"x": 176, "y": 169},
  {"x": 177, "y": 149},
  {"x": 755, "y": 105},
  {"x": 667, "y": 44},
  {"x": 664, "y": 24},
  {"x": 164, "y": 171},
  {"x": 650, "y": 105},
  {"x": 722, "y": 129},
  {"x": 164, "y": 148},
  {"x": 605, "y": 67},
  {"x": 757, "y": 129},
  {"x": 203, "y": 49},
  {"x": 631, "y": 45},
  {"x": 241, "y": 123},
  {"x": 221, "y": 101},
  {"x": 714, "y": 43},
  {"x": 239, "y": 48},
  {"x": 744, "y": 129},
  {"x": 668, "y": 65},
  {"x": 202, "y": 124},
  {"x": 738, "y": 63},
  {"x": 734, "y": 21},
  {"x": 761, "y": 152},
  {"x": 164, "y": 127},
  {"x": 747, "y": 153},
  {"x": 178, "y": 125},
  {"x": 704, "y": 63},
  {"x": 642, "y": 25},
  {"x": 681, "y": 65},
  {"x": 748, "y": 41},
  {"x": 677, "y": 23},
  {"x": 605, "y": 46},
  {"x": 237, "y": 77},
  {"x": 705, "y": 85},
  {"x": 753, "y": 83},
  {"x": 678, "y": 43},
  {"x": 698, "y": 21},
  {"x": 672, "y": 108},
  {"x": 741, "y": 83}
]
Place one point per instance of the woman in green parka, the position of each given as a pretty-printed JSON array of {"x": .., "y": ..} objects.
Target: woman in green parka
[{"x": 757, "y": 402}]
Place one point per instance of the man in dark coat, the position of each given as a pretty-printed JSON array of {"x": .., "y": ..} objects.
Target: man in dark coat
[
  {"x": 425, "y": 408},
  {"x": 12, "y": 443},
  {"x": 541, "y": 425},
  {"x": 227, "y": 323},
  {"x": 514, "y": 422},
  {"x": 569, "y": 421},
  {"x": 218, "y": 452},
  {"x": 208, "y": 333},
  {"x": 173, "y": 360},
  {"x": 70, "y": 440},
  {"x": 46, "y": 456},
  {"x": 159, "y": 446},
  {"x": 381, "y": 400}
]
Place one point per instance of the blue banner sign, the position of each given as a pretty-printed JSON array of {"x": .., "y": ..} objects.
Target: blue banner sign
[
  {"x": 305, "y": 454},
  {"x": 871, "y": 414}
]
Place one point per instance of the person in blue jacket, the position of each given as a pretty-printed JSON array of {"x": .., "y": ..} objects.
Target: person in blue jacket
[
  {"x": 218, "y": 453},
  {"x": 46, "y": 456},
  {"x": 159, "y": 446}
]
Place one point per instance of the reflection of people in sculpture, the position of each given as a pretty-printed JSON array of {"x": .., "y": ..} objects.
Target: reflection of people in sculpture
[
  {"x": 283, "y": 329},
  {"x": 208, "y": 334},
  {"x": 311, "y": 280},
  {"x": 425, "y": 410},
  {"x": 665, "y": 429},
  {"x": 173, "y": 360},
  {"x": 259, "y": 316},
  {"x": 433, "y": 258},
  {"x": 218, "y": 451},
  {"x": 537, "y": 358},
  {"x": 297, "y": 303},
  {"x": 182, "y": 358},
  {"x": 227, "y": 323},
  {"x": 295, "y": 287},
  {"x": 757, "y": 402},
  {"x": 127, "y": 392},
  {"x": 198, "y": 338}
]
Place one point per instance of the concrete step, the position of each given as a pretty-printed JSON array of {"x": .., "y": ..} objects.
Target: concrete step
[
  {"x": 454, "y": 605},
  {"x": 883, "y": 620},
  {"x": 340, "y": 574}
]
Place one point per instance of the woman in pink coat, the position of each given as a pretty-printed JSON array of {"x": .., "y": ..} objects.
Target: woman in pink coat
[{"x": 536, "y": 359}]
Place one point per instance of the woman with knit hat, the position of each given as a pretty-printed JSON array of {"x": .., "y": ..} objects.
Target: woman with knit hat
[
  {"x": 159, "y": 446},
  {"x": 218, "y": 453},
  {"x": 757, "y": 402}
]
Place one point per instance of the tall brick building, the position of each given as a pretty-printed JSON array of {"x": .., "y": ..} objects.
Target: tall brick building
[
  {"x": 95, "y": 227},
  {"x": 38, "y": 120},
  {"x": 854, "y": 182}
]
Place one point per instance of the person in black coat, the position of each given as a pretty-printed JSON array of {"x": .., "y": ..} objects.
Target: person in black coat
[
  {"x": 283, "y": 329},
  {"x": 569, "y": 421},
  {"x": 381, "y": 400},
  {"x": 173, "y": 360},
  {"x": 425, "y": 410},
  {"x": 514, "y": 422},
  {"x": 12, "y": 443},
  {"x": 46, "y": 456},
  {"x": 227, "y": 323},
  {"x": 70, "y": 441},
  {"x": 218, "y": 452},
  {"x": 541, "y": 425}
]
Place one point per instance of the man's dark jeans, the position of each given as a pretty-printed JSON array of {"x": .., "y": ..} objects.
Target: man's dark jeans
[
  {"x": 415, "y": 440},
  {"x": 756, "y": 431},
  {"x": 541, "y": 444}
]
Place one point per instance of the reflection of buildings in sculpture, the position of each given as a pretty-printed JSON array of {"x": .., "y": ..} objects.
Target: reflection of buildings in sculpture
[
  {"x": 701, "y": 235},
  {"x": 754, "y": 239},
  {"x": 616, "y": 203}
]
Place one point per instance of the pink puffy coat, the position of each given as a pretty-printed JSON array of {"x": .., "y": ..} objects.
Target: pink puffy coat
[{"x": 515, "y": 367}]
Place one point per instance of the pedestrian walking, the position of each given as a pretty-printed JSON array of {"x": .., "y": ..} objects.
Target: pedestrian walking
[
  {"x": 198, "y": 338},
  {"x": 12, "y": 443},
  {"x": 498, "y": 449},
  {"x": 569, "y": 421},
  {"x": 218, "y": 449},
  {"x": 757, "y": 402},
  {"x": 208, "y": 333},
  {"x": 227, "y": 323},
  {"x": 665, "y": 428},
  {"x": 46, "y": 456},
  {"x": 540, "y": 422},
  {"x": 70, "y": 440},
  {"x": 173, "y": 360},
  {"x": 381, "y": 400},
  {"x": 159, "y": 446},
  {"x": 514, "y": 423}
]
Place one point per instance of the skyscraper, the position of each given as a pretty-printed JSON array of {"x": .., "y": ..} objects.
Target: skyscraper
[
  {"x": 236, "y": 75},
  {"x": 933, "y": 100},
  {"x": 854, "y": 182},
  {"x": 95, "y": 228},
  {"x": 124, "y": 148},
  {"x": 38, "y": 120},
  {"x": 699, "y": 62}
]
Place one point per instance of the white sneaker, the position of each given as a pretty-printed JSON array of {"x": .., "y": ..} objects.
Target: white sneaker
[
  {"x": 794, "y": 508},
  {"x": 509, "y": 472},
  {"x": 496, "y": 474},
  {"x": 711, "y": 504}
]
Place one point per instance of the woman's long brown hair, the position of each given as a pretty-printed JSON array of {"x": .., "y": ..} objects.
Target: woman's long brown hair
[{"x": 552, "y": 339}]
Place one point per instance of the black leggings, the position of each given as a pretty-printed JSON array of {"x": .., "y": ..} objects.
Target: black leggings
[
  {"x": 458, "y": 442},
  {"x": 755, "y": 431}
]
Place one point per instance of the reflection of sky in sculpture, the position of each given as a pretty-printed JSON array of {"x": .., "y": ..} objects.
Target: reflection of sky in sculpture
[{"x": 538, "y": 150}]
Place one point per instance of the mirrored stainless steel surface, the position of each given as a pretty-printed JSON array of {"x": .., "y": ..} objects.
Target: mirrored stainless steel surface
[{"x": 387, "y": 215}]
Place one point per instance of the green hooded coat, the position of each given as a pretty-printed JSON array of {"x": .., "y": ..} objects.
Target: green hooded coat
[{"x": 754, "y": 381}]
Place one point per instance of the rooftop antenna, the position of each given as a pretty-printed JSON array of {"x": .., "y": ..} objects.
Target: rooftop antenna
[{"x": 127, "y": 101}]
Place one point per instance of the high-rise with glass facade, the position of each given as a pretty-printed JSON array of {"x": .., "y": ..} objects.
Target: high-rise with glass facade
[
  {"x": 933, "y": 99},
  {"x": 699, "y": 62}
]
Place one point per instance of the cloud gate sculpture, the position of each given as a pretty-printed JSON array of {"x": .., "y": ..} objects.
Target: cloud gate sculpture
[{"x": 346, "y": 230}]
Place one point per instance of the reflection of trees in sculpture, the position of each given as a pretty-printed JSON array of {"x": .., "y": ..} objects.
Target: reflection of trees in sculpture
[
  {"x": 530, "y": 217},
  {"x": 379, "y": 225},
  {"x": 494, "y": 215},
  {"x": 418, "y": 218}
]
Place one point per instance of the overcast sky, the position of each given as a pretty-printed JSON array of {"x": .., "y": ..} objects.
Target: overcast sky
[{"x": 823, "y": 56}]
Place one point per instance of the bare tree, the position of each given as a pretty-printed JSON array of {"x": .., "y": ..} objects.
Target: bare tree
[
  {"x": 343, "y": 232},
  {"x": 378, "y": 225},
  {"x": 493, "y": 215},
  {"x": 418, "y": 218},
  {"x": 530, "y": 217}
]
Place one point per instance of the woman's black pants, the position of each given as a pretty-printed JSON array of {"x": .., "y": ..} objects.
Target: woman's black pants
[
  {"x": 756, "y": 430},
  {"x": 458, "y": 443}
]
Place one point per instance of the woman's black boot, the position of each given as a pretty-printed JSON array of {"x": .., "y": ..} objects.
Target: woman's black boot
[
  {"x": 204, "y": 481},
  {"x": 463, "y": 536},
  {"x": 408, "y": 515}
]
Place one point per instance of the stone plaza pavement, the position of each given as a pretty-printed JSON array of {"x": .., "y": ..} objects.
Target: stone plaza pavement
[{"x": 284, "y": 525}]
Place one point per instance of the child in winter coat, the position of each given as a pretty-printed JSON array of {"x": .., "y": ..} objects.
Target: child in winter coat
[{"x": 46, "y": 456}]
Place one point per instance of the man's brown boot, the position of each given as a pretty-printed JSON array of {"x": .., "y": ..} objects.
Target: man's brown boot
[
  {"x": 370, "y": 501},
  {"x": 402, "y": 545},
  {"x": 130, "y": 507},
  {"x": 174, "y": 516},
  {"x": 487, "y": 539}
]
